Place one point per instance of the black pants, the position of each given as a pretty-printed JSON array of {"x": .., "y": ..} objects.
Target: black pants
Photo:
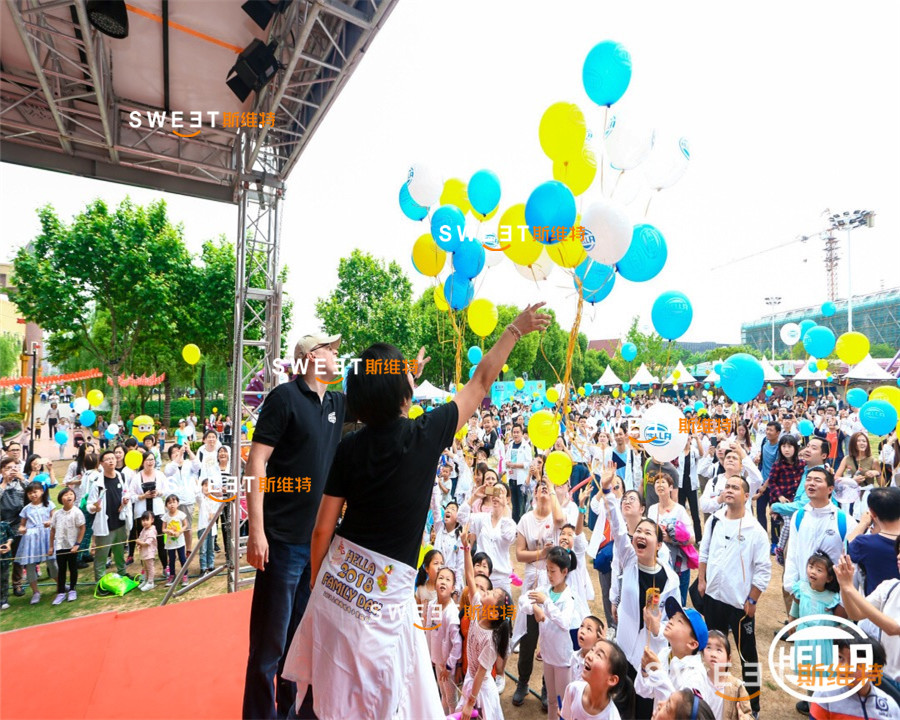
[
  {"x": 687, "y": 496},
  {"x": 727, "y": 618},
  {"x": 762, "y": 504},
  {"x": 518, "y": 501},
  {"x": 160, "y": 541},
  {"x": 527, "y": 646},
  {"x": 643, "y": 707},
  {"x": 66, "y": 560}
]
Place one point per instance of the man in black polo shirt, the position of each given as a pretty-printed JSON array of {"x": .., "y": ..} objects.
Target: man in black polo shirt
[{"x": 296, "y": 437}]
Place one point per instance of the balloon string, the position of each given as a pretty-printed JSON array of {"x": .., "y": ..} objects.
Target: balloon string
[
  {"x": 649, "y": 200},
  {"x": 616, "y": 185}
]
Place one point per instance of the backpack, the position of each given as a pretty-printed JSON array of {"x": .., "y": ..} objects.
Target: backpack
[
  {"x": 114, "y": 584},
  {"x": 841, "y": 522}
]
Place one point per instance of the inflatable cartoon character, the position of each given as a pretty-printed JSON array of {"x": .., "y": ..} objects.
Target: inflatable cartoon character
[{"x": 142, "y": 427}]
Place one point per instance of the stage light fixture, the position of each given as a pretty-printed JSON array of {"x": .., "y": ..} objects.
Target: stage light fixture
[
  {"x": 262, "y": 11},
  {"x": 255, "y": 67},
  {"x": 109, "y": 16}
]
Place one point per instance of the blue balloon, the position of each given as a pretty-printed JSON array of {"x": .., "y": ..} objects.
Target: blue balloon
[
  {"x": 629, "y": 351},
  {"x": 671, "y": 314},
  {"x": 819, "y": 341},
  {"x": 769, "y": 393},
  {"x": 742, "y": 377},
  {"x": 410, "y": 207},
  {"x": 429, "y": 408},
  {"x": 588, "y": 388},
  {"x": 857, "y": 397},
  {"x": 468, "y": 260},
  {"x": 472, "y": 371},
  {"x": 448, "y": 226},
  {"x": 805, "y": 427},
  {"x": 717, "y": 368},
  {"x": 812, "y": 366},
  {"x": 43, "y": 478},
  {"x": 17, "y": 387},
  {"x": 828, "y": 309},
  {"x": 628, "y": 409},
  {"x": 706, "y": 386},
  {"x": 475, "y": 354},
  {"x": 61, "y": 438},
  {"x": 596, "y": 280},
  {"x": 87, "y": 418},
  {"x": 800, "y": 390},
  {"x": 458, "y": 290},
  {"x": 805, "y": 326},
  {"x": 646, "y": 255},
  {"x": 484, "y": 191},
  {"x": 698, "y": 406},
  {"x": 109, "y": 436},
  {"x": 879, "y": 417},
  {"x": 718, "y": 383},
  {"x": 606, "y": 72},
  {"x": 626, "y": 387},
  {"x": 550, "y": 205}
]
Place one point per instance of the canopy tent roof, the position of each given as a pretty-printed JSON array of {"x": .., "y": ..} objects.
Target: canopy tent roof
[
  {"x": 643, "y": 376},
  {"x": 427, "y": 391},
  {"x": 804, "y": 374},
  {"x": 867, "y": 370},
  {"x": 608, "y": 377},
  {"x": 684, "y": 377},
  {"x": 70, "y": 96},
  {"x": 770, "y": 373}
]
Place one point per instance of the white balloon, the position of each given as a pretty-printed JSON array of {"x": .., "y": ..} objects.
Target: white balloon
[
  {"x": 667, "y": 162},
  {"x": 425, "y": 185},
  {"x": 608, "y": 232},
  {"x": 790, "y": 334},
  {"x": 81, "y": 404},
  {"x": 492, "y": 256},
  {"x": 662, "y": 422},
  {"x": 627, "y": 142},
  {"x": 538, "y": 270},
  {"x": 113, "y": 429}
]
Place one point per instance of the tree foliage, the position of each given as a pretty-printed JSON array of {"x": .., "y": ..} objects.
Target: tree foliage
[{"x": 10, "y": 349}]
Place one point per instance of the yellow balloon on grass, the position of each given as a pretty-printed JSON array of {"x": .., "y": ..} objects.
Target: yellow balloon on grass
[
  {"x": 427, "y": 256},
  {"x": 133, "y": 459},
  {"x": 558, "y": 467},
  {"x": 415, "y": 411},
  {"x": 519, "y": 383},
  {"x": 821, "y": 364},
  {"x": 190, "y": 353},
  {"x": 440, "y": 299},
  {"x": 552, "y": 394},
  {"x": 852, "y": 347},
  {"x": 568, "y": 254},
  {"x": 577, "y": 173},
  {"x": 95, "y": 397},
  {"x": 482, "y": 314},
  {"x": 543, "y": 429},
  {"x": 516, "y": 239},
  {"x": 562, "y": 131},
  {"x": 455, "y": 193},
  {"x": 888, "y": 393}
]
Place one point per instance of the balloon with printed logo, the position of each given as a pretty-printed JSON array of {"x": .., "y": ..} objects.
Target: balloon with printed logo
[
  {"x": 857, "y": 397},
  {"x": 558, "y": 467},
  {"x": 440, "y": 299},
  {"x": 594, "y": 280},
  {"x": 606, "y": 72},
  {"x": 819, "y": 341},
  {"x": 519, "y": 383},
  {"x": 627, "y": 142},
  {"x": 663, "y": 425},
  {"x": 61, "y": 438},
  {"x": 629, "y": 351},
  {"x": 516, "y": 239},
  {"x": 483, "y": 191},
  {"x": 81, "y": 404},
  {"x": 577, "y": 173},
  {"x": 790, "y": 334},
  {"x": 448, "y": 225},
  {"x": 562, "y": 131},
  {"x": 454, "y": 193},
  {"x": 671, "y": 314},
  {"x": 458, "y": 290},
  {"x": 87, "y": 418},
  {"x": 493, "y": 255},
  {"x": 410, "y": 207},
  {"x": 95, "y": 397},
  {"x": 482, "y": 315},
  {"x": 607, "y": 232},
  {"x": 551, "y": 205},
  {"x": 646, "y": 254},
  {"x": 468, "y": 260},
  {"x": 852, "y": 347},
  {"x": 191, "y": 354},
  {"x": 828, "y": 309},
  {"x": 742, "y": 377},
  {"x": 475, "y": 354},
  {"x": 805, "y": 427},
  {"x": 667, "y": 161},
  {"x": 543, "y": 429},
  {"x": 879, "y": 417},
  {"x": 424, "y": 185},
  {"x": 428, "y": 258}
]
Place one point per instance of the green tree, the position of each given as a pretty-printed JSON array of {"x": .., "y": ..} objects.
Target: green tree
[
  {"x": 371, "y": 303},
  {"x": 10, "y": 349},
  {"x": 118, "y": 263},
  {"x": 652, "y": 349},
  {"x": 882, "y": 350}
]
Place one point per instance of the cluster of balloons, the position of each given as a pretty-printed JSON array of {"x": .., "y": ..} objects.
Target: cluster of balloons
[{"x": 820, "y": 341}]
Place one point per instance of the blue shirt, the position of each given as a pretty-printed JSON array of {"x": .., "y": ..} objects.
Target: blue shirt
[
  {"x": 875, "y": 555},
  {"x": 769, "y": 451}
]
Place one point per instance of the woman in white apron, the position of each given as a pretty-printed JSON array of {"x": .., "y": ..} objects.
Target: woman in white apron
[{"x": 358, "y": 645}]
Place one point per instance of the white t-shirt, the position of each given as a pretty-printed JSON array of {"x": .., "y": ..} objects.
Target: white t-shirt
[
  {"x": 169, "y": 522},
  {"x": 573, "y": 708},
  {"x": 521, "y": 454},
  {"x": 66, "y": 524},
  {"x": 495, "y": 541},
  {"x": 888, "y": 602},
  {"x": 537, "y": 532}
]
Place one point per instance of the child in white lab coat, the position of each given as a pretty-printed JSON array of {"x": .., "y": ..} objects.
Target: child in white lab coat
[{"x": 445, "y": 639}]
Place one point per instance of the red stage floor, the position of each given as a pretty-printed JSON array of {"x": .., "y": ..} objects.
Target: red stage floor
[{"x": 185, "y": 660}]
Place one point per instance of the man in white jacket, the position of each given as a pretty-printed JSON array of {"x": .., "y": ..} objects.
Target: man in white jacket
[
  {"x": 108, "y": 500},
  {"x": 736, "y": 464},
  {"x": 733, "y": 539}
]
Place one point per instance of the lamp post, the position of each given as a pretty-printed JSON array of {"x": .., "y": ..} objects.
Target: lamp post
[
  {"x": 849, "y": 221},
  {"x": 773, "y": 301}
]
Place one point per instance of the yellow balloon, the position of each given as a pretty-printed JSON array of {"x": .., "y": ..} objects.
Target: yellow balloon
[
  {"x": 888, "y": 393},
  {"x": 459, "y": 386},
  {"x": 520, "y": 383},
  {"x": 505, "y": 367},
  {"x": 581, "y": 391},
  {"x": 851, "y": 347},
  {"x": 133, "y": 459},
  {"x": 215, "y": 409},
  {"x": 821, "y": 364},
  {"x": 415, "y": 411},
  {"x": 190, "y": 353},
  {"x": 676, "y": 374},
  {"x": 449, "y": 398},
  {"x": 96, "y": 433},
  {"x": 615, "y": 392},
  {"x": 568, "y": 253},
  {"x": 562, "y": 131},
  {"x": 95, "y": 397},
  {"x": 558, "y": 467},
  {"x": 482, "y": 314},
  {"x": 462, "y": 432},
  {"x": 422, "y": 552},
  {"x": 534, "y": 394},
  {"x": 428, "y": 258},
  {"x": 543, "y": 429},
  {"x": 552, "y": 394},
  {"x": 440, "y": 300},
  {"x": 516, "y": 239},
  {"x": 576, "y": 174},
  {"x": 455, "y": 193}
]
